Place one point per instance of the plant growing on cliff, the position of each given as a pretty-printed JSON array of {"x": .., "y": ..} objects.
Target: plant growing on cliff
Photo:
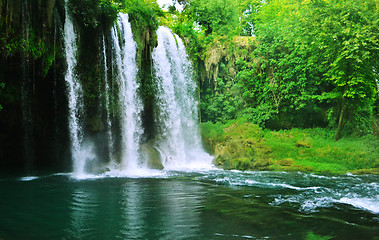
[
  {"x": 144, "y": 12},
  {"x": 89, "y": 12},
  {"x": 143, "y": 15}
]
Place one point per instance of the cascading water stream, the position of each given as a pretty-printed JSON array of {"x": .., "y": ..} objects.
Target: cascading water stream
[
  {"x": 80, "y": 154},
  {"x": 177, "y": 119},
  {"x": 107, "y": 94},
  {"x": 131, "y": 106}
]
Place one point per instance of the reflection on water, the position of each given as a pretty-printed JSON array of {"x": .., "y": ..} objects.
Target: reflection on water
[
  {"x": 135, "y": 209},
  {"x": 132, "y": 210},
  {"x": 83, "y": 207},
  {"x": 181, "y": 208},
  {"x": 190, "y": 205}
]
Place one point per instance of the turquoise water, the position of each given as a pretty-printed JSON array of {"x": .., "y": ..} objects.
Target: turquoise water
[{"x": 212, "y": 204}]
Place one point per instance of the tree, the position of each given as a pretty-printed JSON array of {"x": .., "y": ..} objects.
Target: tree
[
  {"x": 343, "y": 37},
  {"x": 338, "y": 40},
  {"x": 219, "y": 16}
]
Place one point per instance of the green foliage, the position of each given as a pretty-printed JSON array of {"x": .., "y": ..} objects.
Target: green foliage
[
  {"x": 223, "y": 105},
  {"x": 344, "y": 36},
  {"x": 218, "y": 16},
  {"x": 89, "y": 13},
  {"x": 144, "y": 12},
  {"x": 85, "y": 11},
  {"x": 143, "y": 15},
  {"x": 314, "y": 64},
  {"x": 9, "y": 45},
  {"x": 247, "y": 10}
]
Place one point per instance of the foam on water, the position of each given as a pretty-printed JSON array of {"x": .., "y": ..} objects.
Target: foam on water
[
  {"x": 28, "y": 178},
  {"x": 298, "y": 190},
  {"x": 368, "y": 204},
  {"x": 137, "y": 173},
  {"x": 309, "y": 192},
  {"x": 119, "y": 173}
]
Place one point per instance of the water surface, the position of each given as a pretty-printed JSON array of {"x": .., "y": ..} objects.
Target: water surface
[{"x": 212, "y": 204}]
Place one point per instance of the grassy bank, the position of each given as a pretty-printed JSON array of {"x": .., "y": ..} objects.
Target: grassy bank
[{"x": 241, "y": 145}]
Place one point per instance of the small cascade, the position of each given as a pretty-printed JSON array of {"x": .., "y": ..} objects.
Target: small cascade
[
  {"x": 131, "y": 106},
  {"x": 80, "y": 153},
  {"x": 107, "y": 94},
  {"x": 177, "y": 107}
]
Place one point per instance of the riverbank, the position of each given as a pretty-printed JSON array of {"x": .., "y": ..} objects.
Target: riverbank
[{"x": 241, "y": 145}]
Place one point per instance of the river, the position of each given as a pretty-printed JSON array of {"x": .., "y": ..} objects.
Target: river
[{"x": 212, "y": 204}]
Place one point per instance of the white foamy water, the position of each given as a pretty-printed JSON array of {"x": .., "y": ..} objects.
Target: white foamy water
[
  {"x": 28, "y": 178},
  {"x": 179, "y": 136},
  {"x": 309, "y": 192},
  {"x": 369, "y": 204},
  {"x": 107, "y": 95},
  {"x": 131, "y": 106},
  {"x": 80, "y": 154}
]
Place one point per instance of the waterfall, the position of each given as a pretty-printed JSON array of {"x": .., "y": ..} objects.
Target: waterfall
[
  {"x": 80, "y": 153},
  {"x": 177, "y": 107},
  {"x": 107, "y": 94},
  {"x": 131, "y": 105}
]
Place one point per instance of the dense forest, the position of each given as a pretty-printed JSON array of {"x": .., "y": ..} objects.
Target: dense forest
[{"x": 275, "y": 65}]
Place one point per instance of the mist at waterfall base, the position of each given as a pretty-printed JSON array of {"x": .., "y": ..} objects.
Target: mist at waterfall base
[{"x": 212, "y": 204}]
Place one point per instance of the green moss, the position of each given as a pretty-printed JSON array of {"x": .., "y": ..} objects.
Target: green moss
[
  {"x": 236, "y": 145},
  {"x": 312, "y": 236},
  {"x": 241, "y": 145}
]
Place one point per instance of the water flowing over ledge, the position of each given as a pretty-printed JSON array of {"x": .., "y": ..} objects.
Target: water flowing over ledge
[
  {"x": 124, "y": 61},
  {"x": 177, "y": 140},
  {"x": 179, "y": 136},
  {"x": 81, "y": 150}
]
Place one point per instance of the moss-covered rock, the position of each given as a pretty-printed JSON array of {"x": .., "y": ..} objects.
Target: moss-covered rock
[{"x": 237, "y": 145}]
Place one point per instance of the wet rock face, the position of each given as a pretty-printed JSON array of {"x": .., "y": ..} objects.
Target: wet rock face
[{"x": 33, "y": 118}]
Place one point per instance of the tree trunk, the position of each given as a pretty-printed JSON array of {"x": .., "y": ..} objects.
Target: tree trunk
[{"x": 341, "y": 121}]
